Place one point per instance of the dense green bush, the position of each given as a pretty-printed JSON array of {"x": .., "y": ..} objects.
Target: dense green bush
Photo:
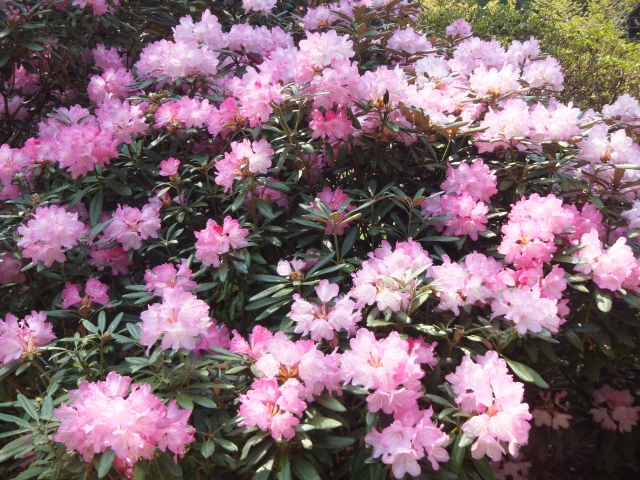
[{"x": 588, "y": 38}]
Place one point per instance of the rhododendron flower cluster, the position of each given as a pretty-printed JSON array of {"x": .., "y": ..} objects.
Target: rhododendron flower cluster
[
  {"x": 406, "y": 441},
  {"x": 386, "y": 278},
  {"x": 618, "y": 412},
  {"x": 323, "y": 321},
  {"x": 126, "y": 418},
  {"x": 167, "y": 276},
  {"x": 613, "y": 268},
  {"x": 22, "y": 338},
  {"x": 131, "y": 225},
  {"x": 181, "y": 320},
  {"x": 485, "y": 388},
  {"x": 216, "y": 240},
  {"x": 50, "y": 232},
  {"x": 553, "y": 413},
  {"x": 95, "y": 292},
  {"x": 246, "y": 158}
]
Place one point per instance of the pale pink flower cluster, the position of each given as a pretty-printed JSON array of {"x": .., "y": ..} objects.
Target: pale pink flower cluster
[
  {"x": 485, "y": 390},
  {"x": 552, "y": 413},
  {"x": 466, "y": 188},
  {"x": 50, "y": 232},
  {"x": 106, "y": 58},
  {"x": 475, "y": 280},
  {"x": 245, "y": 159},
  {"x": 10, "y": 268},
  {"x": 114, "y": 257},
  {"x": 459, "y": 28},
  {"x": 302, "y": 369},
  {"x": 334, "y": 200},
  {"x": 12, "y": 162},
  {"x": 332, "y": 126},
  {"x": 391, "y": 368},
  {"x": 131, "y": 225},
  {"x": 323, "y": 320},
  {"x": 618, "y": 413},
  {"x": 216, "y": 240},
  {"x": 406, "y": 441},
  {"x": 19, "y": 339},
  {"x": 604, "y": 150},
  {"x": 183, "y": 114},
  {"x": 95, "y": 293},
  {"x": 321, "y": 16},
  {"x": 126, "y": 418},
  {"x": 182, "y": 320},
  {"x": 110, "y": 84},
  {"x": 384, "y": 280},
  {"x": 264, "y": 6},
  {"x": 409, "y": 41},
  {"x": 272, "y": 407},
  {"x": 611, "y": 269},
  {"x": 99, "y": 7},
  {"x": 533, "y": 224},
  {"x": 166, "y": 276},
  {"x": 125, "y": 121},
  {"x": 626, "y": 109}
]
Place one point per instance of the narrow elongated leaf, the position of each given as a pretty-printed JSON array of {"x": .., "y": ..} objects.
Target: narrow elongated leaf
[{"x": 527, "y": 374}]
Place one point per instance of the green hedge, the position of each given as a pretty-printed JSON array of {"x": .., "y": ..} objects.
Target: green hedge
[{"x": 588, "y": 38}]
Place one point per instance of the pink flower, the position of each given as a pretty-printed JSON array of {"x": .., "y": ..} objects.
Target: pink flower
[
  {"x": 552, "y": 414},
  {"x": 216, "y": 240},
  {"x": 116, "y": 257},
  {"x": 126, "y": 418},
  {"x": 111, "y": 84},
  {"x": 527, "y": 310},
  {"x": 406, "y": 441},
  {"x": 246, "y": 158},
  {"x": 625, "y": 108},
  {"x": 618, "y": 409},
  {"x": 485, "y": 387},
  {"x": 181, "y": 319},
  {"x": 166, "y": 276},
  {"x": 95, "y": 292},
  {"x": 169, "y": 167},
  {"x": 256, "y": 345},
  {"x": 375, "y": 284},
  {"x": 272, "y": 407},
  {"x": 477, "y": 180},
  {"x": 322, "y": 321},
  {"x": 215, "y": 336},
  {"x": 333, "y": 126},
  {"x": 459, "y": 28},
  {"x": 10, "y": 269},
  {"x": 106, "y": 57},
  {"x": 12, "y": 162},
  {"x": 132, "y": 225},
  {"x": 50, "y": 232},
  {"x": 20, "y": 339},
  {"x": 264, "y": 6}
]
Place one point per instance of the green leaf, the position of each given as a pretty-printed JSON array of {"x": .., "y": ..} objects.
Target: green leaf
[
  {"x": 204, "y": 401},
  {"x": 324, "y": 423},
  {"x": 330, "y": 403},
  {"x": 527, "y": 374},
  {"x": 28, "y": 407},
  {"x": 34, "y": 47},
  {"x": 285, "y": 467},
  {"x": 119, "y": 188},
  {"x": 438, "y": 400},
  {"x": 457, "y": 455},
  {"x": 264, "y": 471},
  {"x": 184, "y": 401},
  {"x": 484, "y": 468},
  {"x": 303, "y": 470},
  {"x": 336, "y": 443},
  {"x": 16, "y": 420},
  {"x": 349, "y": 240},
  {"x": 603, "y": 300},
  {"x": 207, "y": 448},
  {"x": 95, "y": 209},
  {"x": 226, "y": 444},
  {"x": 106, "y": 460}
]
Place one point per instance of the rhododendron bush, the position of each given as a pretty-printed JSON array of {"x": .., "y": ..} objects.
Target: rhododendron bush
[{"x": 257, "y": 239}]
